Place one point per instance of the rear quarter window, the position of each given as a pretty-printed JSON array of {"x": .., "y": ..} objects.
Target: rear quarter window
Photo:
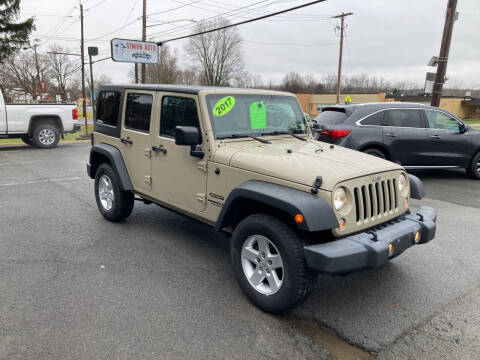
[
  {"x": 374, "y": 119},
  {"x": 108, "y": 106},
  {"x": 331, "y": 117}
]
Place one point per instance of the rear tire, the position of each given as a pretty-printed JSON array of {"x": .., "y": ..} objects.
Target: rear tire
[
  {"x": 375, "y": 152},
  {"x": 269, "y": 265},
  {"x": 474, "y": 168},
  {"x": 114, "y": 204},
  {"x": 45, "y": 136}
]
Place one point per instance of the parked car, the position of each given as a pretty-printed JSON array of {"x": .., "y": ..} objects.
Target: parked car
[
  {"x": 413, "y": 135},
  {"x": 243, "y": 161},
  {"x": 40, "y": 125}
]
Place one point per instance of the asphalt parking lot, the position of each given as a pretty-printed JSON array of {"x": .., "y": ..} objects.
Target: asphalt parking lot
[{"x": 73, "y": 285}]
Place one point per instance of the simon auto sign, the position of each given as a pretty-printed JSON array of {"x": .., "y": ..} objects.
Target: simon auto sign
[{"x": 133, "y": 51}]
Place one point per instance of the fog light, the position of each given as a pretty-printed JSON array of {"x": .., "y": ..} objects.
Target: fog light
[
  {"x": 406, "y": 202},
  {"x": 341, "y": 224},
  {"x": 417, "y": 238},
  {"x": 391, "y": 249}
]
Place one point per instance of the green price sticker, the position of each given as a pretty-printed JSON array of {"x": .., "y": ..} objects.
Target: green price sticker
[
  {"x": 258, "y": 115},
  {"x": 223, "y": 106}
]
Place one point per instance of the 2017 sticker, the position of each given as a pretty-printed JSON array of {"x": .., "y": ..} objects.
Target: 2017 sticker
[{"x": 223, "y": 106}]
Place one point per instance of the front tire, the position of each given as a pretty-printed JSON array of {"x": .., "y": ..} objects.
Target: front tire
[
  {"x": 114, "y": 204},
  {"x": 474, "y": 168},
  {"x": 269, "y": 265},
  {"x": 45, "y": 136}
]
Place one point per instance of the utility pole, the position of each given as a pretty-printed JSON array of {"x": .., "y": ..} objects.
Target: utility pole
[
  {"x": 82, "y": 54},
  {"x": 38, "y": 70},
  {"x": 342, "y": 27},
  {"x": 444, "y": 50},
  {"x": 144, "y": 34}
]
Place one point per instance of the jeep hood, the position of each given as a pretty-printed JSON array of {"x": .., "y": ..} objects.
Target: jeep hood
[{"x": 301, "y": 162}]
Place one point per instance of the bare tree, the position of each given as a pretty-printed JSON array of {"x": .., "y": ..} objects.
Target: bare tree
[
  {"x": 218, "y": 53},
  {"x": 61, "y": 69},
  {"x": 188, "y": 76},
  {"x": 19, "y": 71},
  {"x": 293, "y": 82},
  {"x": 166, "y": 70}
]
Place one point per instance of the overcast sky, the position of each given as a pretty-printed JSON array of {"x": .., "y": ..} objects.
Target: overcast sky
[{"x": 393, "y": 39}]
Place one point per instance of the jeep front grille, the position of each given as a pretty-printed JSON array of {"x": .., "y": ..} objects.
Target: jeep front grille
[{"x": 375, "y": 200}]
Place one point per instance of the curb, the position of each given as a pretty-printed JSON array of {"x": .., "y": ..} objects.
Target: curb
[{"x": 61, "y": 142}]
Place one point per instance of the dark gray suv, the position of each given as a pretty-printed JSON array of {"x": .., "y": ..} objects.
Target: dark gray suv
[{"x": 414, "y": 135}]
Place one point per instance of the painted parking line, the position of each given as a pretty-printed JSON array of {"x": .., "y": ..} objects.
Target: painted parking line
[{"x": 40, "y": 181}]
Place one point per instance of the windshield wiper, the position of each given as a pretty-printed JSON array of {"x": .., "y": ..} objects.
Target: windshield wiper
[
  {"x": 236, "y": 136},
  {"x": 288, "y": 133}
]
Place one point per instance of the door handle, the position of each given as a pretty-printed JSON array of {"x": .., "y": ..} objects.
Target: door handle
[
  {"x": 158, "y": 149},
  {"x": 391, "y": 135},
  {"x": 126, "y": 141},
  {"x": 436, "y": 137}
]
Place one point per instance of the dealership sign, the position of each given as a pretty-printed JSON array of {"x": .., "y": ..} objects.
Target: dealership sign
[{"x": 133, "y": 51}]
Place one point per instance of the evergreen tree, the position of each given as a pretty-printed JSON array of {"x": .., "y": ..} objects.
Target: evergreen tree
[{"x": 13, "y": 35}]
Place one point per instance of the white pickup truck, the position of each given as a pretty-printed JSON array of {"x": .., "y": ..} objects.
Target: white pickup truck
[{"x": 39, "y": 125}]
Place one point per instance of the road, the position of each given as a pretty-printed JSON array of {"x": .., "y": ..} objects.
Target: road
[{"x": 73, "y": 285}]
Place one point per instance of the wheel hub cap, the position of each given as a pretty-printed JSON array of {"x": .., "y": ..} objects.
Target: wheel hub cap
[
  {"x": 105, "y": 192},
  {"x": 262, "y": 264},
  {"x": 46, "y": 136}
]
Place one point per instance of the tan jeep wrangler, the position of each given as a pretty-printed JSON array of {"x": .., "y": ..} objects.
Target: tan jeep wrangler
[{"x": 244, "y": 162}]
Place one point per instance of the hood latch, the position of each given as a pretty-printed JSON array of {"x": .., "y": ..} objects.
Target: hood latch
[{"x": 316, "y": 185}]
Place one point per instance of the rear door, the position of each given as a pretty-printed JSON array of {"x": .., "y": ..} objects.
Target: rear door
[
  {"x": 405, "y": 136},
  {"x": 447, "y": 146},
  {"x": 138, "y": 111}
]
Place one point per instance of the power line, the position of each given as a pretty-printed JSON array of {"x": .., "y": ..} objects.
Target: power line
[
  {"x": 290, "y": 44},
  {"x": 211, "y": 17},
  {"x": 243, "y": 22}
]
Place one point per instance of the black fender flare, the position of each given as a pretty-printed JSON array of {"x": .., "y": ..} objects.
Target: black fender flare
[
  {"x": 116, "y": 161},
  {"x": 417, "y": 191},
  {"x": 317, "y": 213}
]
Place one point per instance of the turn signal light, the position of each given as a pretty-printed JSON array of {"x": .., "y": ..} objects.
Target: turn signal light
[
  {"x": 391, "y": 249},
  {"x": 299, "y": 218},
  {"x": 335, "y": 133},
  {"x": 341, "y": 224},
  {"x": 417, "y": 237}
]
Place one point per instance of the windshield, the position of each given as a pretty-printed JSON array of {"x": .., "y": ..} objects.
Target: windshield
[{"x": 235, "y": 115}]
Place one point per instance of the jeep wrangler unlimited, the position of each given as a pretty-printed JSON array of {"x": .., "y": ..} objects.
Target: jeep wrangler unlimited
[{"x": 244, "y": 162}]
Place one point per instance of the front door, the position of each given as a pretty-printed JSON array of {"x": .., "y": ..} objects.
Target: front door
[
  {"x": 405, "y": 136},
  {"x": 135, "y": 135},
  {"x": 447, "y": 146},
  {"x": 179, "y": 179}
]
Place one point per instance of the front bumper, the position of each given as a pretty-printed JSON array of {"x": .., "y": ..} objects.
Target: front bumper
[{"x": 369, "y": 249}]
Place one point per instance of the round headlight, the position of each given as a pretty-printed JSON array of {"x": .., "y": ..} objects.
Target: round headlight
[
  {"x": 339, "y": 198},
  {"x": 402, "y": 182}
]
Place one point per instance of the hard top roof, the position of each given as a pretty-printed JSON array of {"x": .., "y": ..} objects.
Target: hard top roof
[{"x": 186, "y": 89}]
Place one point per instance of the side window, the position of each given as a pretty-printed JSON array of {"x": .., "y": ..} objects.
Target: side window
[
  {"x": 374, "y": 119},
  {"x": 403, "y": 118},
  {"x": 138, "y": 111},
  {"x": 439, "y": 120},
  {"x": 108, "y": 107},
  {"x": 177, "y": 111}
]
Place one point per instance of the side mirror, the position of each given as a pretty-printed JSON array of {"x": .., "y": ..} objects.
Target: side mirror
[
  {"x": 463, "y": 128},
  {"x": 190, "y": 136}
]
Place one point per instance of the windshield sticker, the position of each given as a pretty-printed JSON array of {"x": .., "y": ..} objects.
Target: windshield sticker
[
  {"x": 258, "y": 115},
  {"x": 223, "y": 106}
]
